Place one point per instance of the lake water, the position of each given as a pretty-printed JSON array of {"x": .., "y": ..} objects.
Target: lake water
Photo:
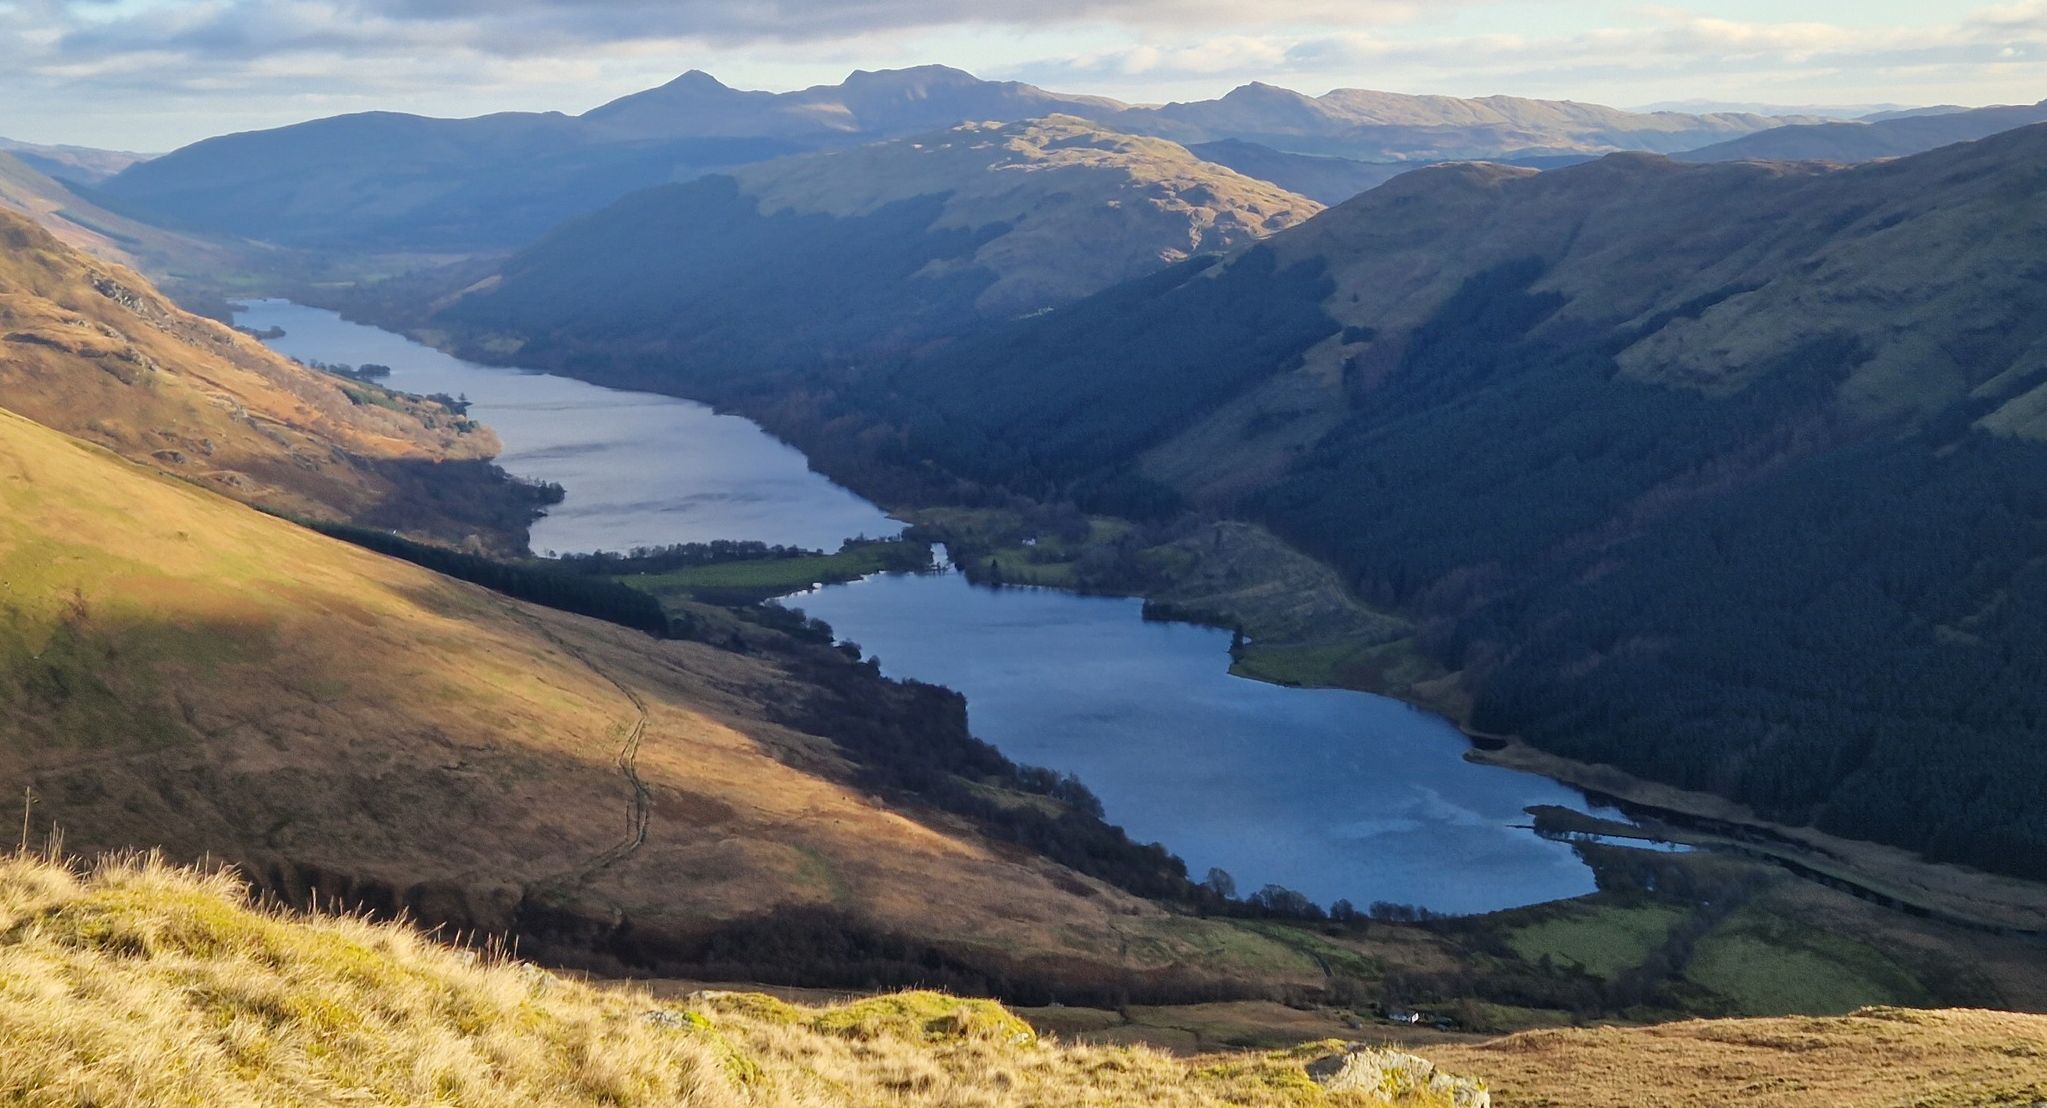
[
  {"x": 1335, "y": 794},
  {"x": 640, "y": 469}
]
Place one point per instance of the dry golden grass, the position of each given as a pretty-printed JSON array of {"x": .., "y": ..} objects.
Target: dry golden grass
[
  {"x": 138, "y": 983},
  {"x": 1876, "y": 1058}
]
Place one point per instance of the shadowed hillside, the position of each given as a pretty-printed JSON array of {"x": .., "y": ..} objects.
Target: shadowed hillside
[
  {"x": 833, "y": 258},
  {"x": 1725, "y": 475}
]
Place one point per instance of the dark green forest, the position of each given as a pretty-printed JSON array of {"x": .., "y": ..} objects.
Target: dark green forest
[{"x": 1836, "y": 623}]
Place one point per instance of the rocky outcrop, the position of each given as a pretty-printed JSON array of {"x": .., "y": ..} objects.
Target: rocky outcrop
[{"x": 1391, "y": 1077}]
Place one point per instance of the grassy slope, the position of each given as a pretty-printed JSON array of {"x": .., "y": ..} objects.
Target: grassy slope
[
  {"x": 1878, "y": 1057},
  {"x": 183, "y": 672},
  {"x": 91, "y": 349},
  {"x": 137, "y": 983}
]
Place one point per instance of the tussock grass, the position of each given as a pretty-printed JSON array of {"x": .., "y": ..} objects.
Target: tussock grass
[{"x": 135, "y": 982}]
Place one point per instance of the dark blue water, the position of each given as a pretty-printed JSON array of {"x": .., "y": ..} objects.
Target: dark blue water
[{"x": 1334, "y": 794}]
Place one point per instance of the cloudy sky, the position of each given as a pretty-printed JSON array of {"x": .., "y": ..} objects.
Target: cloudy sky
[{"x": 153, "y": 74}]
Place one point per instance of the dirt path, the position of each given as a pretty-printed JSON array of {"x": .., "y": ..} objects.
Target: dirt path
[{"x": 640, "y": 804}]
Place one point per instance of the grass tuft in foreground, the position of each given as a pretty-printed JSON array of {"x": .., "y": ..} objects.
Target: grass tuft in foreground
[{"x": 137, "y": 982}]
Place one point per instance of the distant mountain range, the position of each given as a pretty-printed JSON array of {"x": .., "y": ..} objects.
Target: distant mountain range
[
  {"x": 1821, "y": 111},
  {"x": 58, "y": 206},
  {"x": 1386, "y": 126},
  {"x": 385, "y": 181},
  {"x": 78, "y": 164},
  {"x": 1887, "y": 136}
]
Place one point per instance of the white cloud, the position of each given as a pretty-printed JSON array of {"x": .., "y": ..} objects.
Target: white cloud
[
  {"x": 157, "y": 72},
  {"x": 1663, "y": 46}
]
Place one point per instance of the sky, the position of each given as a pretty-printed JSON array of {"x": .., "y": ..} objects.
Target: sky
[{"x": 151, "y": 75}]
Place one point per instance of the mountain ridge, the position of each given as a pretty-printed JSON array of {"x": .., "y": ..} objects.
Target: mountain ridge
[
  {"x": 1866, "y": 140},
  {"x": 399, "y": 183}
]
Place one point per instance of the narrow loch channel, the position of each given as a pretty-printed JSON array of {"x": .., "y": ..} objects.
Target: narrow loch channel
[{"x": 1332, "y": 793}]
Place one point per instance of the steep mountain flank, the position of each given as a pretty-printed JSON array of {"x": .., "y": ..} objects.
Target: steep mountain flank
[
  {"x": 91, "y": 349},
  {"x": 1867, "y": 140},
  {"x": 1727, "y": 475},
  {"x": 181, "y": 672},
  {"x": 836, "y": 257}
]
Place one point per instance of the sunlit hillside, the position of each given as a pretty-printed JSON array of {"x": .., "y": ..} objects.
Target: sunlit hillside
[
  {"x": 184, "y": 672},
  {"x": 92, "y": 349}
]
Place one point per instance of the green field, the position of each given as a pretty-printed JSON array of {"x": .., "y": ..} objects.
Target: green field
[
  {"x": 1768, "y": 965},
  {"x": 1603, "y": 940}
]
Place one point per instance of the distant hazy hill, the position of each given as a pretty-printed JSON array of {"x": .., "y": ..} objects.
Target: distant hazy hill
[
  {"x": 79, "y": 222},
  {"x": 382, "y": 181},
  {"x": 1886, "y": 136},
  {"x": 838, "y": 256},
  {"x": 1729, "y": 475},
  {"x": 91, "y": 349},
  {"x": 1385, "y": 126},
  {"x": 386, "y": 181},
  {"x": 1323, "y": 179},
  {"x": 80, "y": 164}
]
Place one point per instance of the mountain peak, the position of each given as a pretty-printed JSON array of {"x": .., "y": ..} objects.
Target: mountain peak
[
  {"x": 698, "y": 80},
  {"x": 913, "y": 72}
]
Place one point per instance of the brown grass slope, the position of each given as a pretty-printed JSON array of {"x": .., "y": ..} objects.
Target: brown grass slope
[
  {"x": 134, "y": 983},
  {"x": 179, "y": 671},
  {"x": 90, "y": 348},
  {"x": 1876, "y": 1058}
]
